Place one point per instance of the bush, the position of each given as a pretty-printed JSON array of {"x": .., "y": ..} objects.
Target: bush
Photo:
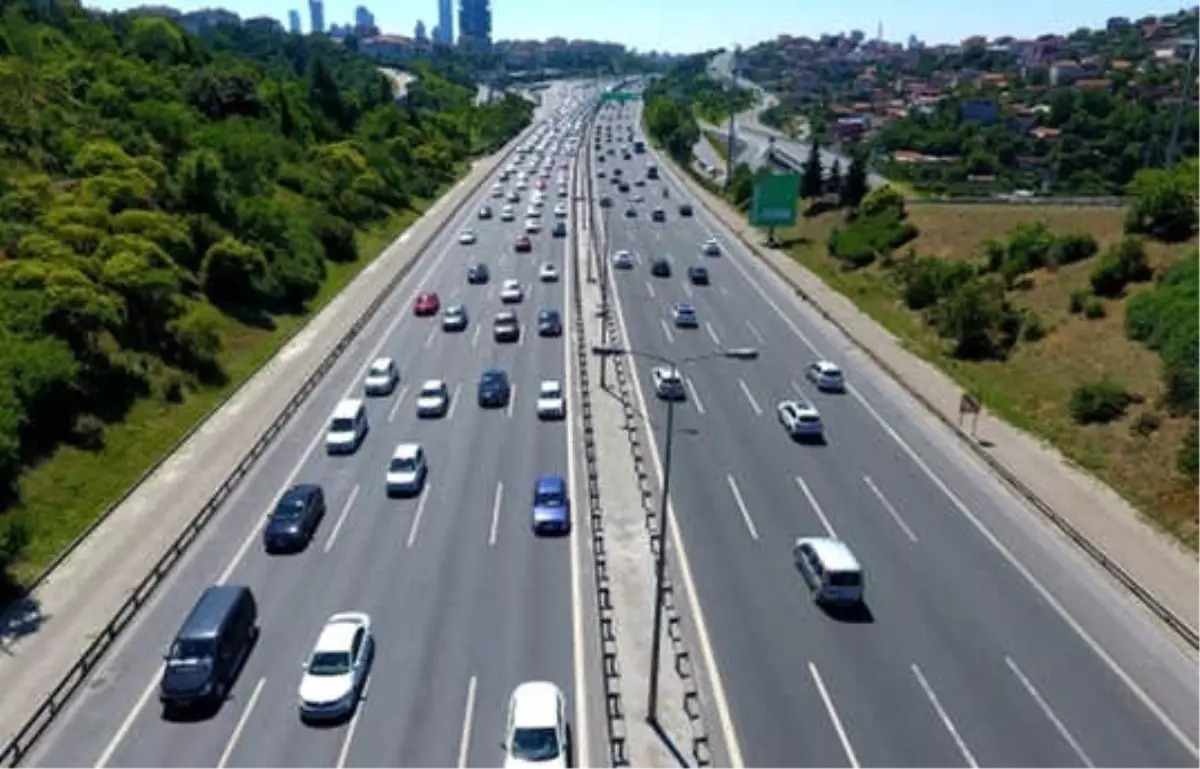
[
  {"x": 978, "y": 319},
  {"x": 1118, "y": 266},
  {"x": 1093, "y": 309},
  {"x": 1077, "y": 301},
  {"x": 1073, "y": 248},
  {"x": 1032, "y": 330},
  {"x": 851, "y": 246},
  {"x": 1166, "y": 320},
  {"x": 1188, "y": 459},
  {"x": 928, "y": 280},
  {"x": 1099, "y": 402}
]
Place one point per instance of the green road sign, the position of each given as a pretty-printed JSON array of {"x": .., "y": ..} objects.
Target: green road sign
[
  {"x": 774, "y": 202},
  {"x": 618, "y": 96}
]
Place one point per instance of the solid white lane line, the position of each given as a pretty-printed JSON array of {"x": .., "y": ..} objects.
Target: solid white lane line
[
  {"x": 758, "y": 337},
  {"x": 512, "y": 400},
  {"x": 396, "y": 405},
  {"x": 416, "y": 523},
  {"x": 520, "y": 337},
  {"x": 750, "y": 397},
  {"x": 816, "y": 506},
  {"x": 933, "y": 700},
  {"x": 695, "y": 395},
  {"x": 337, "y": 527},
  {"x": 890, "y": 508},
  {"x": 475, "y": 336},
  {"x": 345, "y": 750},
  {"x": 429, "y": 337},
  {"x": 464, "y": 743},
  {"x": 241, "y": 724},
  {"x": 454, "y": 401},
  {"x": 1045, "y": 706},
  {"x": 833, "y": 715},
  {"x": 130, "y": 717},
  {"x": 712, "y": 334},
  {"x": 650, "y": 289},
  {"x": 737, "y": 497},
  {"x": 495, "y": 513}
]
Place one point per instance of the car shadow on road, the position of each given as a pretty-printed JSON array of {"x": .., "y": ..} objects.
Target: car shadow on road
[{"x": 852, "y": 614}]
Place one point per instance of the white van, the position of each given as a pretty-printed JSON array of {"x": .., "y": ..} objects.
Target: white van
[
  {"x": 830, "y": 569},
  {"x": 347, "y": 427}
]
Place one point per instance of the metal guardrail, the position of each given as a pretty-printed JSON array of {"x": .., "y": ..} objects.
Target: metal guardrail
[
  {"x": 43, "y": 716},
  {"x": 701, "y": 749},
  {"x": 614, "y": 711},
  {"x": 1147, "y": 598}
]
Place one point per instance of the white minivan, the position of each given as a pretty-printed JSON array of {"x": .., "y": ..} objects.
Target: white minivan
[
  {"x": 347, "y": 427},
  {"x": 830, "y": 569}
]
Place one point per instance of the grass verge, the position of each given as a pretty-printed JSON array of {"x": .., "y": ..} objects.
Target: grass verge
[{"x": 65, "y": 493}]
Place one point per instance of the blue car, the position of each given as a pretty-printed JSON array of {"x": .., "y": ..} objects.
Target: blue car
[{"x": 551, "y": 506}]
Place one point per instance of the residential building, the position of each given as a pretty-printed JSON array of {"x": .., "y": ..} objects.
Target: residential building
[
  {"x": 294, "y": 21},
  {"x": 419, "y": 32},
  {"x": 475, "y": 23},
  {"x": 316, "y": 17},
  {"x": 444, "y": 32}
]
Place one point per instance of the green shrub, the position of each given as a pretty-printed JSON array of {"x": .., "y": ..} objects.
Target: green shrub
[
  {"x": 1188, "y": 459},
  {"x": 1032, "y": 330},
  {"x": 1118, "y": 266},
  {"x": 1072, "y": 248},
  {"x": 927, "y": 280},
  {"x": 1077, "y": 301},
  {"x": 1099, "y": 402},
  {"x": 1167, "y": 321},
  {"x": 1093, "y": 308}
]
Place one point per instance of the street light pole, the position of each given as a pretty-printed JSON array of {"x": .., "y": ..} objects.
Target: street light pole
[{"x": 660, "y": 567}]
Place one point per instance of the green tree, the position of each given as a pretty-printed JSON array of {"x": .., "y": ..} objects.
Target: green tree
[
  {"x": 854, "y": 186},
  {"x": 234, "y": 273},
  {"x": 812, "y": 178},
  {"x": 1164, "y": 201}
]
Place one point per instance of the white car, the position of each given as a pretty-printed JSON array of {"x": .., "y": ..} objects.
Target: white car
[
  {"x": 826, "y": 376},
  {"x": 467, "y": 237},
  {"x": 562, "y": 191},
  {"x": 560, "y": 210},
  {"x": 668, "y": 383},
  {"x": 507, "y": 214},
  {"x": 511, "y": 292},
  {"x": 336, "y": 671},
  {"x": 434, "y": 399},
  {"x": 710, "y": 247},
  {"x": 548, "y": 273},
  {"x": 801, "y": 419},
  {"x": 551, "y": 403},
  {"x": 535, "y": 731},
  {"x": 534, "y": 211},
  {"x": 381, "y": 377},
  {"x": 498, "y": 190},
  {"x": 406, "y": 472},
  {"x": 532, "y": 226},
  {"x": 622, "y": 260},
  {"x": 513, "y": 197},
  {"x": 522, "y": 184}
]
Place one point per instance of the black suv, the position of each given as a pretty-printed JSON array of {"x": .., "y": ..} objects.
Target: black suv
[
  {"x": 477, "y": 273},
  {"x": 685, "y": 209},
  {"x": 660, "y": 268},
  {"x": 295, "y": 519},
  {"x": 549, "y": 323},
  {"x": 698, "y": 275},
  {"x": 659, "y": 215},
  {"x": 493, "y": 388}
]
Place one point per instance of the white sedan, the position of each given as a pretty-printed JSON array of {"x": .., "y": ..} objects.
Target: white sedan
[
  {"x": 532, "y": 226},
  {"x": 467, "y": 237},
  {"x": 507, "y": 214},
  {"x": 560, "y": 210},
  {"x": 511, "y": 292},
  {"x": 534, "y": 211},
  {"x": 551, "y": 403},
  {"x": 711, "y": 247},
  {"x": 622, "y": 260},
  {"x": 536, "y": 726},
  {"x": 801, "y": 419},
  {"x": 336, "y": 671},
  {"x": 381, "y": 377},
  {"x": 434, "y": 399},
  {"x": 548, "y": 273}
]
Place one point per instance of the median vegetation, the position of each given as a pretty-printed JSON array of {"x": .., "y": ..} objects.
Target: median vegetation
[
  {"x": 171, "y": 209},
  {"x": 683, "y": 96}
]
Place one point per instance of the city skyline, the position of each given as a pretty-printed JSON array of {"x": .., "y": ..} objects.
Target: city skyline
[{"x": 683, "y": 26}]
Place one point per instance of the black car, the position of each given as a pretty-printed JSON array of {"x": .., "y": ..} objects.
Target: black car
[
  {"x": 549, "y": 323},
  {"x": 640, "y": 183},
  {"x": 493, "y": 388},
  {"x": 485, "y": 212},
  {"x": 616, "y": 172},
  {"x": 606, "y": 202},
  {"x": 626, "y": 156},
  {"x": 685, "y": 209},
  {"x": 477, "y": 273},
  {"x": 698, "y": 275},
  {"x": 659, "y": 215},
  {"x": 294, "y": 520},
  {"x": 631, "y": 213},
  {"x": 560, "y": 229},
  {"x": 600, "y": 158},
  {"x": 623, "y": 187},
  {"x": 660, "y": 268}
]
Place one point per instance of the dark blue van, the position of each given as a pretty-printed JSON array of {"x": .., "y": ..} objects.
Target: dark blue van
[{"x": 210, "y": 649}]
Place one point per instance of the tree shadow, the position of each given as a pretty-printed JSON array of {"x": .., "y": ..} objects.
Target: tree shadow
[
  {"x": 19, "y": 618},
  {"x": 254, "y": 317}
]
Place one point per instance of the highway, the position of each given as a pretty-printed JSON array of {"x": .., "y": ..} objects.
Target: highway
[
  {"x": 466, "y": 603},
  {"x": 986, "y": 641}
]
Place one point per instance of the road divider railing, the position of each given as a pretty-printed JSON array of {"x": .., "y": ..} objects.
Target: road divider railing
[
  {"x": 701, "y": 747},
  {"x": 614, "y": 712},
  {"x": 19, "y": 745},
  {"x": 1146, "y": 597}
]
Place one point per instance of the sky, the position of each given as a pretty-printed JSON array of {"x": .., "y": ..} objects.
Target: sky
[{"x": 685, "y": 26}]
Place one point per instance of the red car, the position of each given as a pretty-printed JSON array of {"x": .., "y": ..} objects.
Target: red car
[
  {"x": 523, "y": 243},
  {"x": 541, "y": 183},
  {"x": 427, "y": 303}
]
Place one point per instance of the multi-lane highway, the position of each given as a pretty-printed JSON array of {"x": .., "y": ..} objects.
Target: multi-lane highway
[
  {"x": 986, "y": 640},
  {"x": 466, "y": 602}
]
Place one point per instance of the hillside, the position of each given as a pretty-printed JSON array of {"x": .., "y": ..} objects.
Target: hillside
[{"x": 171, "y": 209}]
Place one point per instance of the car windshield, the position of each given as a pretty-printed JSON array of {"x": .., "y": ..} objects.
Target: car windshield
[
  {"x": 289, "y": 509},
  {"x": 329, "y": 664},
  {"x": 379, "y": 369},
  {"x": 403, "y": 464},
  {"x": 843, "y": 578},
  {"x": 548, "y": 498},
  {"x": 192, "y": 649},
  {"x": 342, "y": 425},
  {"x": 430, "y": 391},
  {"x": 535, "y": 744},
  {"x": 551, "y": 391}
]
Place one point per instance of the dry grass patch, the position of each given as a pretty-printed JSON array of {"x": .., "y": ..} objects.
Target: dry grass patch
[{"x": 1032, "y": 388}]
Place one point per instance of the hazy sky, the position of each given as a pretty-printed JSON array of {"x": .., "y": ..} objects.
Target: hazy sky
[{"x": 691, "y": 25}]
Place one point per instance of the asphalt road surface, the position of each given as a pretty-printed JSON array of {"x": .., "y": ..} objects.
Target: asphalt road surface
[
  {"x": 986, "y": 640},
  {"x": 466, "y": 603}
]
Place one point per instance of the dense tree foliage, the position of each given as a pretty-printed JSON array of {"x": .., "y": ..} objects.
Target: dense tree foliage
[
  {"x": 683, "y": 95},
  {"x": 151, "y": 181},
  {"x": 1163, "y": 201},
  {"x": 1166, "y": 320}
]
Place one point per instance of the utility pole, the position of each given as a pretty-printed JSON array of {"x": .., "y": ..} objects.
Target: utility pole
[
  {"x": 1184, "y": 103},
  {"x": 733, "y": 70}
]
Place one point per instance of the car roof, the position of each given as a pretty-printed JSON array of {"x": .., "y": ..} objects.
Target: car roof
[
  {"x": 347, "y": 409},
  {"x": 210, "y": 611},
  {"x": 379, "y": 363},
  {"x": 535, "y": 704},
  {"x": 337, "y": 635},
  {"x": 406, "y": 451},
  {"x": 299, "y": 492},
  {"x": 430, "y": 384},
  {"x": 506, "y": 315},
  {"x": 825, "y": 365},
  {"x": 800, "y": 405},
  {"x": 495, "y": 372},
  {"x": 685, "y": 307},
  {"x": 835, "y": 555},
  {"x": 549, "y": 384}
]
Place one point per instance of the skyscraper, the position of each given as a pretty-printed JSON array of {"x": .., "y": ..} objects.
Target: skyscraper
[
  {"x": 419, "y": 32},
  {"x": 445, "y": 27},
  {"x": 364, "y": 21},
  {"x": 475, "y": 22},
  {"x": 316, "y": 15},
  {"x": 294, "y": 21}
]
